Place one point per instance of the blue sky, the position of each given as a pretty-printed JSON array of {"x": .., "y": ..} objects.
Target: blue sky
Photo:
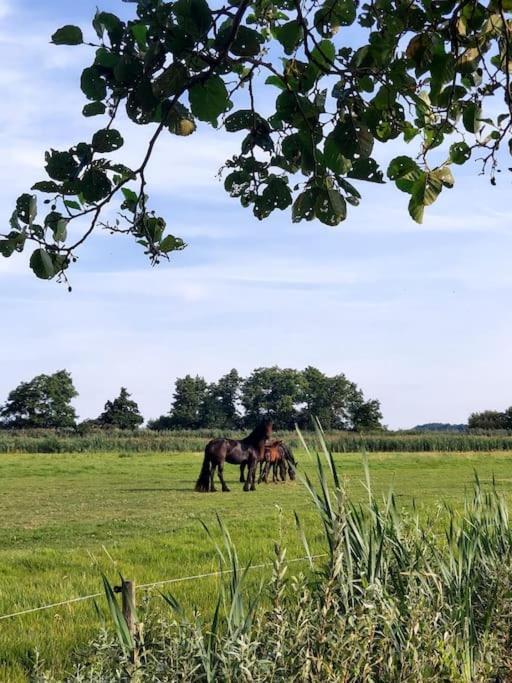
[{"x": 418, "y": 316}]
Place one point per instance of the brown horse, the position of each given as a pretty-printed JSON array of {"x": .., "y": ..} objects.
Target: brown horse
[
  {"x": 248, "y": 451},
  {"x": 278, "y": 457}
]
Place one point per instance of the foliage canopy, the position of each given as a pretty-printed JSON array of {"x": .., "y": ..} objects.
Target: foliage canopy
[
  {"x": 287, "y": 396},
  {"x": 312, "y": 85},
  {"x": 44, "y": 401},
  {"x": 121, "y": 413}
]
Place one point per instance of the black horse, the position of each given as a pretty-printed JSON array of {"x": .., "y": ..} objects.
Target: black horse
[{"x": 248, "y": 451}]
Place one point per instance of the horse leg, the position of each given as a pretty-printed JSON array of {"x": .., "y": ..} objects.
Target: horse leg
[
  {"x": 274, "y": 473},
  {"x": 262, "y": 472},
  {"x": 242, "y": 470},
  {"x": 249, "y": 482},
  {"x": 253, "y": 476},
  {"x": 221, "y": 477},
  {"x": 267, "y": 472},
  {"x": 212, "y": 475}
]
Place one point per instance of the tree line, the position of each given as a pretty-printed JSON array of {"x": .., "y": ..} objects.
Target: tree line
[
  {"x": 44, "y": 402},
  {"x": 288, "y": 396},
  {"x": 491, "y": 419}
]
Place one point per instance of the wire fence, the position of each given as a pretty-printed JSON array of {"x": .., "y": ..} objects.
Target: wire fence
[{"x": 148, "y": 586}]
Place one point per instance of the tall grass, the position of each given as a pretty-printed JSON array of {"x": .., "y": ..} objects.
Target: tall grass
[
  {"x": 41, "y": 441},
  {"x": 391, "y": 602}
]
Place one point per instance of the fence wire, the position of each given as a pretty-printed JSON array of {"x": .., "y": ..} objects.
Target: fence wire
[{"x": 148, "y": 586}]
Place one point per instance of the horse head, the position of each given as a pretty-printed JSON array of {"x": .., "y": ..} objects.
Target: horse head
[{"x": 266, "y": 427}]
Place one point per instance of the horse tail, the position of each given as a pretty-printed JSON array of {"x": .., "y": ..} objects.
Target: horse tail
[
  {"x": 203, "y": 482},
  {"x": 288, "y": 454},
  {"x": 292, "y": 463}
]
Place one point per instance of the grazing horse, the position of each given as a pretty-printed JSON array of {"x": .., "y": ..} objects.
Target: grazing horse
[
  {"x": 278, "y": 457},
  {"x": 248, "y": 451}
]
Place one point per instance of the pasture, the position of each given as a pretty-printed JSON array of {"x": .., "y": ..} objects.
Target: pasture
[{"x": 64, "y": 518}]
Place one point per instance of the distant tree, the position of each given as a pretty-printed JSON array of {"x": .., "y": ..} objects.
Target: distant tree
[
  {"x": 275, "y": 392},
  {"x": 188, "y": 403},
  {"x": 161, "y": 423},
  {"x": 220, "y": 405},
  {"x": 440, "y": 427},
  {"x": 44, "y": 402},
  {"x": 491, "y": 419},
  {"x": 365, "y": 415},
  {"x": 330, "y": 399},
  {"x": 122, "y": 413}
]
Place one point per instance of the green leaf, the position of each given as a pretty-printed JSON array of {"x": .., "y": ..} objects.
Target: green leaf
[
  {"x": 416, "y": 209},
  {"x": 106, "y": 58},
  {"x": 460, "y": 152},
  {"x": 405, "y": 172},
  {"x": 333, "y": 14},
  {"x": 471, "y": 116},
  {"x": 209, "y": 100},
  {"x": 276, "y": 195},
  {"x": 47, "y": 186},
  {"x": 304, "y": 206},
  {"x": 15, "y": 240},
  {"x": 275, "y": 80},
  {"x": 171, "y": 81},
  {"x": 366, "y": 169},
  {"x": 140, "y": 33},
  {"x": 106, "y": 21},
  {"x": 42, "y": 264},
  {"x": 237, "y": 183},
  {"x": 194, "y": 16},
  {"x": 247, "y": 42},
  {"x": 7, "y": 248},
  {"x": 245, "y": 119},
  {"x": 330, "y": 206},
  {"x": 171, "y": 243},
  {"x": 107, "y": 140},
  {"x": 61, "y": 230},
  {"x": 26, "y": 208},
  {"x": 68, "y": 35},
  {"x": 95, "y": 185},
  {"x": 92, "y": 84},
  {"x": 128, "y": 71},
  {"x": 424, "y": 192},
  {"x": 333, "y": 157},
  {"x": 324, "y": 55},
  {"x": 444, "y": 174},
  {"x": 94, "y": 109},
  {"x": 61, "y": 165},
  {"x": 289, "y": 35},
  {"x": 72, "y": 204}
]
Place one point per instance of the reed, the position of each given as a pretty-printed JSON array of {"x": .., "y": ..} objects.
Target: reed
[{"x": 143, "y": 441}]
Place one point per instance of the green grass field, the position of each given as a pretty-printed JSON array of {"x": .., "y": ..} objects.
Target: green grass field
[{"x": 66, "y": 518}]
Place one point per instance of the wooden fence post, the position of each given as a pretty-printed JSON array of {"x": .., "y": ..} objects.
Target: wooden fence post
[{"x": 128, "y": 605}]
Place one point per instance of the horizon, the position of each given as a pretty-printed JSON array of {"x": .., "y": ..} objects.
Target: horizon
[{"x": 416, "y": 316}]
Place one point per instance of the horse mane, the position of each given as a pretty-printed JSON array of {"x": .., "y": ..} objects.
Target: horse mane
[{"x": 258, "y": 434}]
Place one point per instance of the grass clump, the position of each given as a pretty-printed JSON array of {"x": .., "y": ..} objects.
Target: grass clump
[{"x": 392, "y": 601}]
